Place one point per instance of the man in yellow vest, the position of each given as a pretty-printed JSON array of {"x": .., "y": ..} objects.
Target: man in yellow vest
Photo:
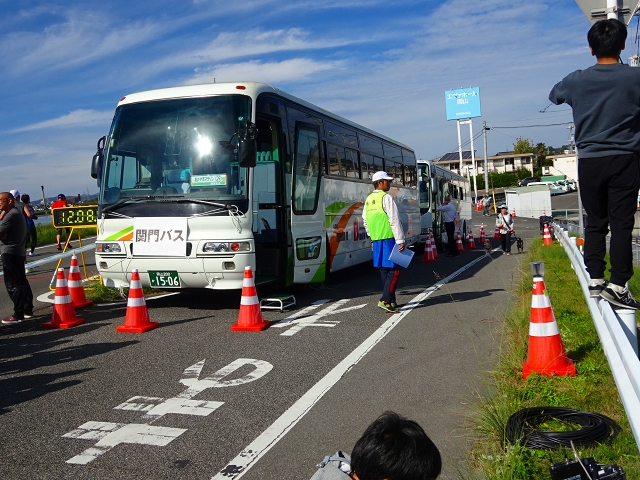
[{"x": 382, "y": 222}]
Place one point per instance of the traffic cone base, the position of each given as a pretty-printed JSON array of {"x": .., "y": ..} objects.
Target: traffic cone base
[
  {"x": 250, "y": 316},
  {"x": 546, "y": 354},
  {"x": 137, "y": 318},
  {"x": 64, "y": 315},
  {"x": 74, "y": 283}
]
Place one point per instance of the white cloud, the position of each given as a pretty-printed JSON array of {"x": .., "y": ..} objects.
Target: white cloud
[
  {"x": 77, "y": 118},
  {"x": 268, "y": 72}
]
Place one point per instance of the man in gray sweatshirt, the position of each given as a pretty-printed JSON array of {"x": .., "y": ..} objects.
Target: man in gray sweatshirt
[
  {"x": 13, "y": 235},
  {"x": 606, "y": 111}
]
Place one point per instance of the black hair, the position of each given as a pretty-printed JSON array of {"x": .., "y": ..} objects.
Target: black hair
[
  {"x": 607, "y": 37},
  {"x": 395, "y": 448},
  {"x": 25, "y": 198}
]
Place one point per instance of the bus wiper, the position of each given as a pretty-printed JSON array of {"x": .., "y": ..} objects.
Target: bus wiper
[
  {"x": 124, "y": 201},
  {"x": 206, "y": 202}
]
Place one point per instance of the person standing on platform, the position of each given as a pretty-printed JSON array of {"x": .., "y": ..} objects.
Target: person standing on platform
[
  {"x": 60, "y": 203},
  {"x": 382, "y": 223},
  {"x": 13, "y": 235},
  {"x": 450, "y": 215},
  {"x": 605, "y": 99}
]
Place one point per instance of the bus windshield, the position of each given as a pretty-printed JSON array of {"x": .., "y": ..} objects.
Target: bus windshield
[{"x": 177, "y": 149}]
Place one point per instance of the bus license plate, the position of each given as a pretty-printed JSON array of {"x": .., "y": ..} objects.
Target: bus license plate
[{"x": 165, "y": 279}]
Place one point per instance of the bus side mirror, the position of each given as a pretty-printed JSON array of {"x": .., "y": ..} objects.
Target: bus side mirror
[
  {"x": 247, "y": 148},
  {"x": 96, "y": 162}
]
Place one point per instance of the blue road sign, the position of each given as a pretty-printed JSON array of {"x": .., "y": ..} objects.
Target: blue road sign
[{"x": 463, "y": 103}]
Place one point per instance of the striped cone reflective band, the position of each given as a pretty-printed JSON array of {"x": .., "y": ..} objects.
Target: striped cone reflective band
[
  {"x": 459, "y": 242},
  {"x": 546, "y": 354},
  {"x": 513, "y": 212},
  {"x": 137, "y": 317},
  {"x": 547, "y": 237},
  {"x": 471, "y": 243},
  {"x": 250, "y": 317},
  {"x": 482, "y": 234},
  {"x": 76, "y": 290},
  {"x": 433, "y": 245},
  {"x": 496, "y": 235},
  {"x": 428, "y": 256},
  {"x": 64, "y": 315}
]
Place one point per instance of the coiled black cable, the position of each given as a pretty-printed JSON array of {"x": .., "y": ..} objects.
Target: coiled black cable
[{"x": 596, "y": 428}]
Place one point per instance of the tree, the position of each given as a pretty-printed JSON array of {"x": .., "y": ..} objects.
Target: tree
[
  {"x": 523, "y": 145},
  {"x": 540, "y": 157}
]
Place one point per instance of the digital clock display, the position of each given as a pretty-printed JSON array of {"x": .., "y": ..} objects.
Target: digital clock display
[{"x": 79, "y": 217}]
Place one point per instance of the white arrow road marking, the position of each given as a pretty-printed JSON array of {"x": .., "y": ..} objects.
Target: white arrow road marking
[
  {"x": 278, "y": 429},
  {"x": 113, "y": 434},
  {"x": 298, "y": 322},
  {"x": 302, "y": 313}
]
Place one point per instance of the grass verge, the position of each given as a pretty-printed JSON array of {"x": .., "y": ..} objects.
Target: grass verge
[{"x": 592, "y": 389}]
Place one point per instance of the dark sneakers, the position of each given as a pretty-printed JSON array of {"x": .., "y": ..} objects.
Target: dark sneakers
[{"x": 624, "y": 299}]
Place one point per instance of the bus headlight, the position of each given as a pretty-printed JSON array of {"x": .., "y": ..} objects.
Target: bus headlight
[
  {"x": 108, "y": 248},
  {"x": 212, "y": 247}
]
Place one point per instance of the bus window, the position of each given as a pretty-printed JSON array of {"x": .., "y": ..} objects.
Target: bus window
[
  {"x": 393, "y": 153},
  {"x": 395, "y": 170},
  {"x": 306, "y": 171},
  {"x": 350, "y": 163},
  {"x": 371, "y": 145},
  {"x": 267, "y": 141},
  {"x": 336, "y": 165}
]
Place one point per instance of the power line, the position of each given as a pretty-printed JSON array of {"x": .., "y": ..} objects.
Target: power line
[{"x": 532, "y": 126}]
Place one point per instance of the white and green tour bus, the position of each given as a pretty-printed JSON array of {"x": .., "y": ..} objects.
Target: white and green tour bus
[
  {"x": 198, "y": 182},
  {"x": 435, "y": 183}
]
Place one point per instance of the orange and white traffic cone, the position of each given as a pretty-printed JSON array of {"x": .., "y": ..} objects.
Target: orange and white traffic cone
[
  {"x": 434, "y": 249},
  {"x": 459, "y": 242},
  {"x": 76, "y": 290},
  {"x": 513, "y": 212},
  {"x": 428, "y": 256},
  {"x": 546, "y": 354},
  {"x": 137, "y": 317},
  {"x": 546, "y": 241},
  {"x": 496, "y": 234},
  {"x": 471, "y": 244},
  {"x": 250, "y": 316},
  {"x": 64, "y": 315},
  {"x": 482, "y": 234}
]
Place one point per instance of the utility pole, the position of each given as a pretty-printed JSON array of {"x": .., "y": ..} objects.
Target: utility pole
[{"x": 486, "y": 164}]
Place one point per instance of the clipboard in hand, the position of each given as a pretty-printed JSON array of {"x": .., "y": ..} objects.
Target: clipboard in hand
[{"x": 402, "y": 258}]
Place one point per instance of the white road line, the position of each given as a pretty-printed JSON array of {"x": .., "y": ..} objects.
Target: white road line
[{"x": 278, "y": 429}]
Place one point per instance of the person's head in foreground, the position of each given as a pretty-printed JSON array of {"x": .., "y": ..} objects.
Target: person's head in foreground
[
  {"x": 395, "y": 448},
  {"x": 607, "y": 38}
]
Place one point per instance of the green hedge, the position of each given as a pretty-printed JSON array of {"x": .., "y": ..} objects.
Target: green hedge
[{"x": 500, "y": 180}]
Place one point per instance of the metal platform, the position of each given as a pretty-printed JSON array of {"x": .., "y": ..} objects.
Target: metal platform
[{"x": 277, "y": 302}]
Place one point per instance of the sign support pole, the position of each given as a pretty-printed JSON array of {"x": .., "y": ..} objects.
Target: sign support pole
[{"x": 458, "y": 122}]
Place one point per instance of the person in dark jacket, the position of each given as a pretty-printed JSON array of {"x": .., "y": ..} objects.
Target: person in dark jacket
[
  {"x": 13, "y": 235},
  {"x": 606, "y": 111}
]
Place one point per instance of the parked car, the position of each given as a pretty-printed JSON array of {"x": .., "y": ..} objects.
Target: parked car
[
  {"x": 526, "y": 181},
  {"x": 554, "y": 188},
  {"x": 562, "y": 185}
]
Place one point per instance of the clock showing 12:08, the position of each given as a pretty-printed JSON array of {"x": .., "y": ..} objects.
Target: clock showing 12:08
[{"x": 80, "y": 217}]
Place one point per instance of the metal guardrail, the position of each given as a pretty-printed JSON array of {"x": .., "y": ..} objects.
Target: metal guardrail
[
  {"x": 622, "y": 358},
  {"x": 58, "y": 256}
]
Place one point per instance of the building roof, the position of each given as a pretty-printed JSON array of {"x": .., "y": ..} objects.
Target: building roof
[{"x": 466, "y": 155}]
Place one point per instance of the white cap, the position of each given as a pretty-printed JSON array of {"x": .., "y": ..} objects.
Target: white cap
[
  {"x": 15, "y": 193},
  {"x": 381, "y": 176}
]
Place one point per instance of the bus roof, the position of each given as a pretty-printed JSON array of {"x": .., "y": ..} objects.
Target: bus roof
[{"x": 253, "y": 89}]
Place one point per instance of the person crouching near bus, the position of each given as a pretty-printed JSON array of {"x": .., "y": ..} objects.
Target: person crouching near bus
[
  {"x": 450, "y": 215},
  {"x": 382, "y": 223}
]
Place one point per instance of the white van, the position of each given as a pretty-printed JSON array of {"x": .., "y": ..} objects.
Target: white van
[{"x": 554, "y": 189}]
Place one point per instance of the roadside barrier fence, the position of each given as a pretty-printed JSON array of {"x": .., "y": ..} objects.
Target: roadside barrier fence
[{"x": 618, "y": 334}]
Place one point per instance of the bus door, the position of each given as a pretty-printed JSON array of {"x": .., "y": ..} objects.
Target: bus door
[
  {"x": 268, "y": 203},
  {"x": 308, "y": 228}
]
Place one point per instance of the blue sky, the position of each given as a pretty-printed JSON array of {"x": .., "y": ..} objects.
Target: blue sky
[{"x": 382, "y": 63}]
